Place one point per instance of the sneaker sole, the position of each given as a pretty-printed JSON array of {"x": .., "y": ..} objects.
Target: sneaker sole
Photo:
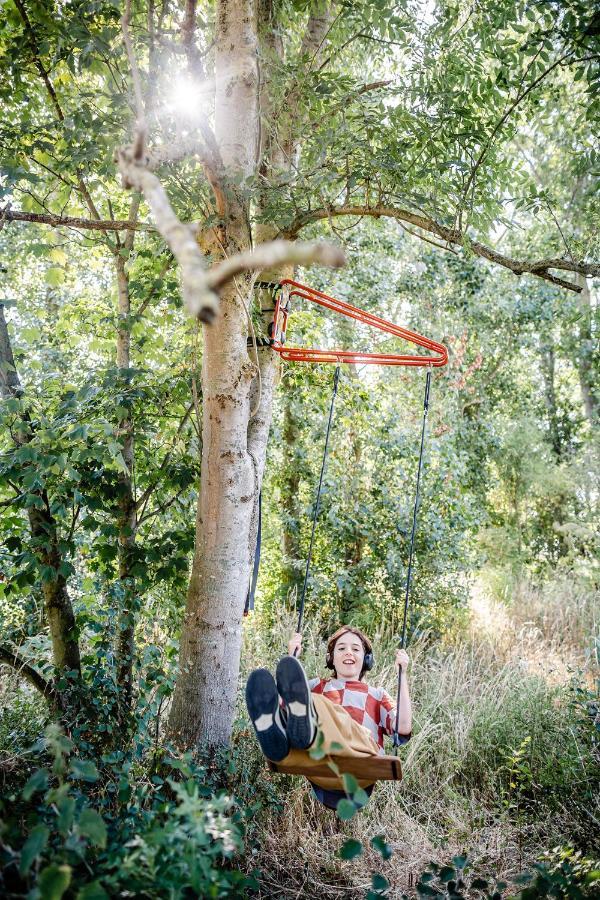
[
  {"x": 262, "y": 699},
  {"x": 293, "y": 687}
]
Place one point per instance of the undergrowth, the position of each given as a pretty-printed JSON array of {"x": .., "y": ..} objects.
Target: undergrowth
[
  {"x": 504, "y": 764},
  {"x": 504, "y": 761}
]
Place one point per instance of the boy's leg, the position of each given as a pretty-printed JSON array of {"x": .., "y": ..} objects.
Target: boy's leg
[
  {"x": 262, "y": 701},
  {"x": 339, "y": 731},
  {"x": 292, "y": 684}
]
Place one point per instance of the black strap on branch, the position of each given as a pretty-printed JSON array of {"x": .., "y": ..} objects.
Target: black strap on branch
[
  {"x": 336, "y": 379},
  {"x": 402, "y": 644},
  {"x": 248, "y": 608}
]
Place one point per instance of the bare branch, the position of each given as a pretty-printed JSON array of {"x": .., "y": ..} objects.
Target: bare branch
[
  {"x": 539, "y": 268},
  {"x": 200, "y": 300},
  {"x": 37, "y": 60},
  {"x": 14, "y": 215},
  {"x": 208, "y": 154},
  {"x": 141, "y": 128},
  {"x": 275, "y": 254},
  {"x": 10, "y": 658}
]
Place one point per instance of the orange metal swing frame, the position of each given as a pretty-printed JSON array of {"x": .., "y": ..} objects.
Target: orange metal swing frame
[{"x": 278, "y": 329}]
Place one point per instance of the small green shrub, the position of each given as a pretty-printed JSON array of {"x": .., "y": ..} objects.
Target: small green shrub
[
  {"x": 104, "y": 831},
  {"x": 562, "y": 873}
]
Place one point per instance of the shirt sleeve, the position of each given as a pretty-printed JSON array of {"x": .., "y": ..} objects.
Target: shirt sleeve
[{"x": 388, "y": 717}]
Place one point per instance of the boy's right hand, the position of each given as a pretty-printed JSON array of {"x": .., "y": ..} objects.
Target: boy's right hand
[{"x": 295, "y": 644}]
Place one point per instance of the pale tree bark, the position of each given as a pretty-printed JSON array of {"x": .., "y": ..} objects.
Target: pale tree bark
[
  {"x": 237, "y": 406},
  {"x": 204, "y": 699}
]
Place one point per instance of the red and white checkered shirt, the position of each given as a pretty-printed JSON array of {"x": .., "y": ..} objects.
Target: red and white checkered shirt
[{"x": 370, "y": 706}]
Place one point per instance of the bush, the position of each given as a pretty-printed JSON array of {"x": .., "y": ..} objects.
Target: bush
[{"x": 96, "y": 832}]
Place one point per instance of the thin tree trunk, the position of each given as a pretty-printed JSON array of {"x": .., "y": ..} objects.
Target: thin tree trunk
[
  {"x": 127, "y": 517},
  {"x": 57, "y": 604},
  {"x": 585, "y": 355},
  {"x": 548, "y": 367},
  {"x": 44, "y": 531}
]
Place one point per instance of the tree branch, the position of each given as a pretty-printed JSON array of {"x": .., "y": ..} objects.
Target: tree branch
[
  {"x": 520, "y": 96},
  {"x": 539, "y": 268},
  {"x": 142, "y": 501},
  {"x": 55, "y": 221},
  {"x": 9, "y": 658},
  {"x": 53, "y": 96},
  {"x": 275, "y": 254},
  {"x": 199, "y": 299},
  {"x": 163, "y": 506}
]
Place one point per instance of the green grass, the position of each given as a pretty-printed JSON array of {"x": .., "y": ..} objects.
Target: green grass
[{"x": 502, "y": 764}]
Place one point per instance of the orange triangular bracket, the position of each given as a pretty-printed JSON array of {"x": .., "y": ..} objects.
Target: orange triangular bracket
[{"x": 289, "y": 289}]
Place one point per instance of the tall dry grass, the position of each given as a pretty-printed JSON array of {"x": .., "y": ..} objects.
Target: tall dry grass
[{"x": 499, "y": 692}]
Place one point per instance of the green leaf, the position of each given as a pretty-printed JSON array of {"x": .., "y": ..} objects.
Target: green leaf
[
  {"x": 361, "y": 797},
  {"x": 92, "y": 891},
  {"x": 459, "y": 861},
  {"x": 379, "y": 843},
  {"x": 351, "y": 849},
  {"x": 350, "y": 783},
  {"x": 33, "y": 847},
  {"x": 54, "y": 276},
  {"x": 84, "y": 769},
  {"x": 447, "y": 873},
  {"x": 91, "y": 825},
  {"x": 346, "y": 809},
  {"x": 53, "y": 882},
  {"x": 66, "y": 813},
  {"x": 37, "y": 782},
  {"x": 379, "y": 882}
]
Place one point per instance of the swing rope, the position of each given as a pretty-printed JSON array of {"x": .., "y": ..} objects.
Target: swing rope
[
  {"x": 336, "y": 379},
  {"x": 402, "y": 644}
]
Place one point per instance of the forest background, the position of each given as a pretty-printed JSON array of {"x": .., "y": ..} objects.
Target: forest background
[{"x": 451, "y": 150}]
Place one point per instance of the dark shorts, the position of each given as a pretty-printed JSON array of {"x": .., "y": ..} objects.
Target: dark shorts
[{"x": 330, "y": 799}]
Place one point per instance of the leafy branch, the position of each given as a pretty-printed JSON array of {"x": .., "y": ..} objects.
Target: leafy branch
[
  {"x": 9, "y": 658},
  {"x": 454, "y": 236}
]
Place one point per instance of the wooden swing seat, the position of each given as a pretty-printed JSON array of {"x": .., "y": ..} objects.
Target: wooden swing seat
[{"x": 364, "y": 768}]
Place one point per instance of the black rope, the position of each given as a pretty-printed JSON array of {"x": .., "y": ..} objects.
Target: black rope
[
  {"x": 336, "y": 379},
  {"x": 249, "y": 607},
  {"x": 402, "y": 644}
]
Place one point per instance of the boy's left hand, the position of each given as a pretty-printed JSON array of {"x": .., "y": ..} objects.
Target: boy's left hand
[{"x": 402, "y": 659}]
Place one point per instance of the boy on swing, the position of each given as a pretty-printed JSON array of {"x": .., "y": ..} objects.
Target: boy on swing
[{"x": 287, "y": 711}]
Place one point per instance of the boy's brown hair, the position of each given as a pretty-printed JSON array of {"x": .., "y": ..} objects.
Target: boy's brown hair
[{"x": 347, "y": 629}]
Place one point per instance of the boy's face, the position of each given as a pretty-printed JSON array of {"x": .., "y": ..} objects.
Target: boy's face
[{"x": 348, "y": 657}]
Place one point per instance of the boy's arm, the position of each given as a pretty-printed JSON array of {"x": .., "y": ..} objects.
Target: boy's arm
[{"x": 405, "y": 720}]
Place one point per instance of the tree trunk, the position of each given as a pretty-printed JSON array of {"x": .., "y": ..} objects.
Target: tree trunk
[
  {"x": 548, "y": 361},
  {"x": 44, "y": 531},
  {"x": 585, "y": 355},
  {"x": 57, "y": 604},
  {"x": 234, "y": 441},
  {"x": 204, "y": 699},
  {"x": 127, "y": 517}
]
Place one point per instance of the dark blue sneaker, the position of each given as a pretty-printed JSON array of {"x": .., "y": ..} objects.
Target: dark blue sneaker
[
  {"x": 293, "y": 688},
  {"x": 262, "y": 701}
]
